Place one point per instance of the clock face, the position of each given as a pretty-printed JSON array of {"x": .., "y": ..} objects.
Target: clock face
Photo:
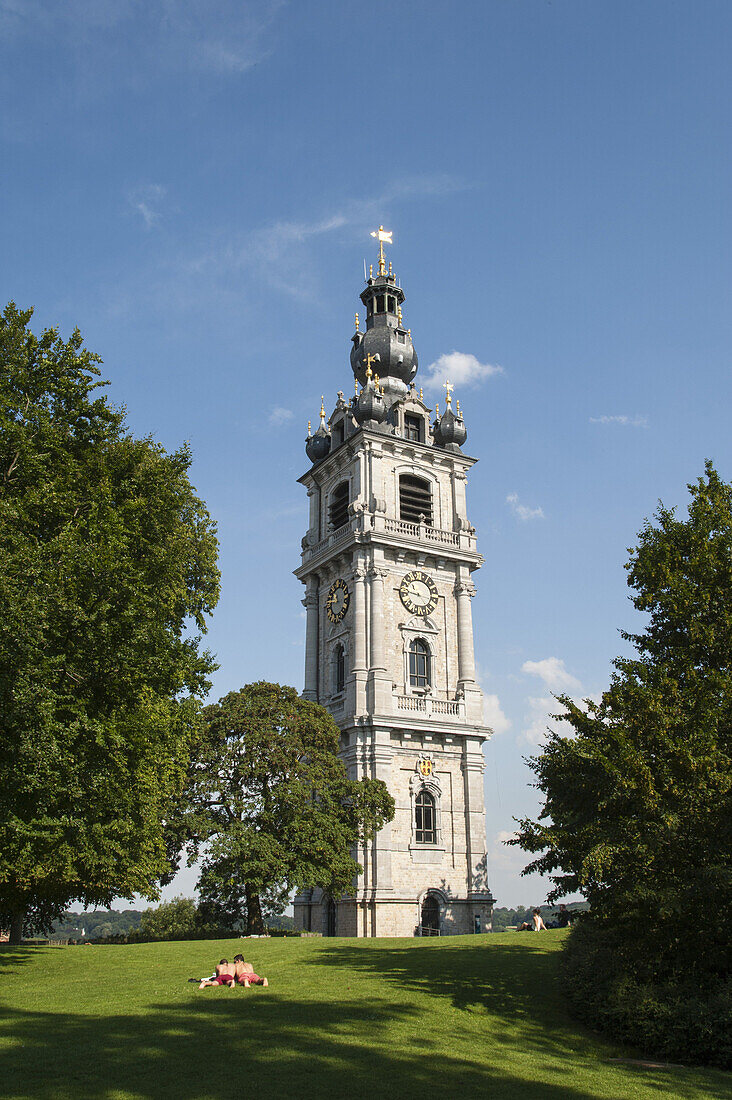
[
  {"x": 418, "y": 593},
  {"x": 338, "y": 600}
]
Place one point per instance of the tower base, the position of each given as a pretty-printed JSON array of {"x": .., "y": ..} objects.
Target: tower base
[{"x": 432, "y": 914}]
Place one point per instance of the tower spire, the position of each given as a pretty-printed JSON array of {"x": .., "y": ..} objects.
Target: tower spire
[{"x": 386, "y": 342}]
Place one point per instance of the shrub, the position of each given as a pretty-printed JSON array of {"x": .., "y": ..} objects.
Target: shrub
[{"x": 674, "y": 1016}]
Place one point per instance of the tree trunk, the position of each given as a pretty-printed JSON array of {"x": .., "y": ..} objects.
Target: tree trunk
[
  {"x": 16, "y": 927},
  {"x": 255, "y": 924}
]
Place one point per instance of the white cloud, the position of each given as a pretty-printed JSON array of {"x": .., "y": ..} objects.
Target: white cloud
[
  {"x": 222, "y": 37},
  {"x": 537, "y": 720},
  {"x": 283, "y": 252},
  {"x": 459, "y": 368},
  {"x": 280, "y": 415},
  {"x": 505, "y": 857},
  {"x": 552, "y": 671},
  {"x": 146, "y": 202},
  {"x": 522, "y": 511},
  {"x": 625, "y": 421},
  {"x": 539, "y": 717},
  {"x": 493, "y": 715}
]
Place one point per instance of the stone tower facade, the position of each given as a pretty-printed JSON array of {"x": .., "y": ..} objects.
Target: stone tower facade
[{"x": 387, "y": 563}]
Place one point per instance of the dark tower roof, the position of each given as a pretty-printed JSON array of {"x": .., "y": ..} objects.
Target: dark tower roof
[{"x": 386, "y": 340}]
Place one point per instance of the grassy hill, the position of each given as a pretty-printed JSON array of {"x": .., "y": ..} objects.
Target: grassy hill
[{"x": 478, "y": 1016}]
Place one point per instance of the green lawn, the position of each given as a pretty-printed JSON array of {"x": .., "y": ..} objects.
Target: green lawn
[{"x": 458, "y": 1017}]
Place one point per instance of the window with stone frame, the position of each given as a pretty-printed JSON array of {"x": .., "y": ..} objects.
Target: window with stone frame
[
  {"x": 420, "y": 662},
  {"x": 415, "y": 499},
  {"x": 425, "y": 819},
  {"x": 413, "y": 428},
  {"x": 338, "y": 509},
  {"x": 339, "y": 669}
]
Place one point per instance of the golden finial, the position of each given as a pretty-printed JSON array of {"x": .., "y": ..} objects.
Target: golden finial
[
  {"x": 355, "y": 386},
  {"x": 399, "y": 315},
  {"x": 383, "y": 236},
  {"x": 448, "y": 388},
  {"x": 369, "y": 360},
  {"x": 371, "y": 271},
  {"x": 322, "y": 405},
  {"x": 376, "y": 381},
  {"x": 457, "y": 405},
  {"x": 309, "y": 428},
  {"x": 421, "y": 395},
  {"x": 409, "y": 333},
  {"x": 357, "y": 328},
  {"x": 390, "y": 271},
  {"x": 437, "y": 409}
]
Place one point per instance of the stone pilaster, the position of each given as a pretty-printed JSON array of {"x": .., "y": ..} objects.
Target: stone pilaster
[
  {"x": 359, "y": 667},
  {"x": 464, "y": 592},
  {"x": 379, "y": 681},
  {"x": 310, "y": 603}
]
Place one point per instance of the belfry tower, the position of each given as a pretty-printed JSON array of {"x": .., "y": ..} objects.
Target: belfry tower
[{"x": 387, "y": 563}]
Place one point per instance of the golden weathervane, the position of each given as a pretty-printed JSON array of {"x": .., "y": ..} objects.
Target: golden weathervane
[{"x": 383, "y": 237}]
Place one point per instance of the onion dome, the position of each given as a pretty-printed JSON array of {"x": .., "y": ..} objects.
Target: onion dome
[
  {"x": 449, "y": 431},
  {"x": 318, "y": 446},
  {"x": 386, "y": 344},
  {"x": 369, "y": 408}
]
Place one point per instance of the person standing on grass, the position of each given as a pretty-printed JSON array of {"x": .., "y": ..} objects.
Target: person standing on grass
[
  {"x": 244, "y": 973},
  {"x": 224, "y": 976}
]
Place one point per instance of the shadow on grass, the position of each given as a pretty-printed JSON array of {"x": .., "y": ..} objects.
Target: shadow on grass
[
  {"x": 15, "y": 957},
  {"x": 516, "y": 984},
  {"x": 215, "y": 1050}
]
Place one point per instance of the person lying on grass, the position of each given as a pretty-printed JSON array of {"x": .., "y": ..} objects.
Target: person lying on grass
[
  {"x": 244, "y": 973},
  {"x": 224, "y": 976}
]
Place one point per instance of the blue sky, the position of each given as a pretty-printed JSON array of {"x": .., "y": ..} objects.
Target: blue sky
[{"x": 193, "y": 185}]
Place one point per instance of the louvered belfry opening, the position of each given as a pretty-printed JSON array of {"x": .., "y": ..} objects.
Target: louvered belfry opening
[
  {"x": 338, "y": 514},
  {"x": 415, "y": 499}
]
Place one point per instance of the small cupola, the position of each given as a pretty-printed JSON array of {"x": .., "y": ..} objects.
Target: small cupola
[
  {"x": 369, "y": 407},
  {"x": 449, "y": 431},
  {"x": 317, "y": 446}
]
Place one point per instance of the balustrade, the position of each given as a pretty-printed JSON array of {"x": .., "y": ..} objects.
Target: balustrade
[{"x": 425, "y": 704}]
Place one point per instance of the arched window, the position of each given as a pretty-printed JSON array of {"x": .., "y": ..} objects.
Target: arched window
[
  {"x": 425, "y": 831},
  {"x": 338, "y": 512},
  {"x": 339, "y": 668},
  {"x": 430, "y": 916},
  {"x": 419, "y": 664},
  {"x": 415, "y": 499}
]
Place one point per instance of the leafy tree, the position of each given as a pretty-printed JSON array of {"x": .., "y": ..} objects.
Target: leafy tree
[
  {"x": 638, "y": 799},
  {"x": 171, "y": 920},
  {"x": 222, "y": 892},
  {"x": 107, "y": 557},
  {"x": 271, "y": 799}
]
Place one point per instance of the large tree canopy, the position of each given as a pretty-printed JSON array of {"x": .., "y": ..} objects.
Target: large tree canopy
[
  {"x": 638, "y": 798},
  {"x": 107, "y": 559},
  {"x": 272, "y": 800}
]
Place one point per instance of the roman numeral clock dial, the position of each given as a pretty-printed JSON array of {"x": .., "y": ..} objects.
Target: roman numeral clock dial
[
  {"x": 418, "y": 593},
  {"x": 338, "y": 600}
]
